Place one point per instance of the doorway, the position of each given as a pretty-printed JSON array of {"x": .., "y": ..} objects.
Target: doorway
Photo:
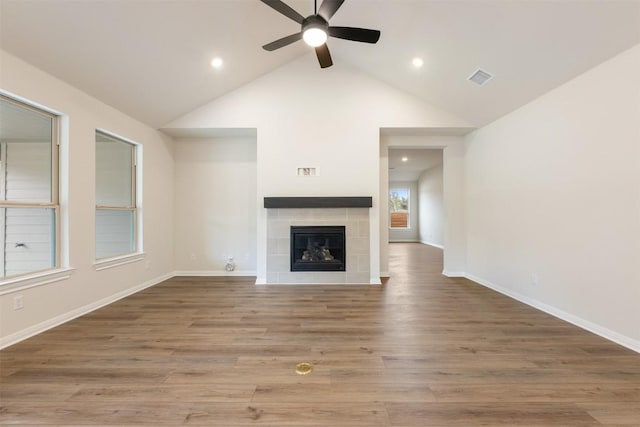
[
  {"x": 415, "y": 199},
  {"x": 452, "y": 236}
]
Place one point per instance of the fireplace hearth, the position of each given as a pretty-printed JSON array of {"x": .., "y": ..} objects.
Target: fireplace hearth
[{"x": 317, "y": 248}]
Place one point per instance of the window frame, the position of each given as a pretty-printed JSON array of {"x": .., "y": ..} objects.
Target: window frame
[
  {"x": 408, "y": 191},
  {"x": 134, "y": 206},
  {"x": 54, "y": 202}
]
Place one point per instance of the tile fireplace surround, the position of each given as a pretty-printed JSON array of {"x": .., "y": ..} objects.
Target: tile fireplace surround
[{"x": 356, "y": 222}]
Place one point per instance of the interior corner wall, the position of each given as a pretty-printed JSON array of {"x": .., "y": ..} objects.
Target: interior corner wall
[
  {"x": 87, "y": 288},
  {"x": 410, "y": 234},
  {"x": 431, "y": 207},
  {"x": 553, "y": 201},
  {"x": 215, "y": 206}
]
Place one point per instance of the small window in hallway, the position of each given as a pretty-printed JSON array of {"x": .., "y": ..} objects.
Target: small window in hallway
[{"x": 399, "y": 208}]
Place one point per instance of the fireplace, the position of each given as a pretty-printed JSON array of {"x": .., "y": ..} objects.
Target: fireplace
[{"x": 317, "y": 248}]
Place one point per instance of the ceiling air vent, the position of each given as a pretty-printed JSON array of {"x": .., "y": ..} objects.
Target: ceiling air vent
[{"x": 480, "y": 77}]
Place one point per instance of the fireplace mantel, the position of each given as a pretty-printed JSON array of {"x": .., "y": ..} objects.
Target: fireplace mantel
[{"x": 317, "y": 202}]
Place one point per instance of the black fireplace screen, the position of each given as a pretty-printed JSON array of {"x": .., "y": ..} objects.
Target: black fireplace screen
[{"x": 317, "y": 248}]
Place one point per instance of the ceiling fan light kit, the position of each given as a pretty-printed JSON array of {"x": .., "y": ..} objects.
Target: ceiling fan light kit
[{"x": 315, "y": 29}]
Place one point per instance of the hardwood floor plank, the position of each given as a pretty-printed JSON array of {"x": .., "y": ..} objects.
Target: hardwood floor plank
[
  {"x": 471, "y": 414},
  {"x": 569, "y": 393},
  {"x": 97, "y": 413},
  {"x": 118, "y": 375},
  {"x": 290, "y": 414},
  {"x": 192, "y": 392},
  {"x": 326, "y": 393},
  {"x": 37, "y": 391}
]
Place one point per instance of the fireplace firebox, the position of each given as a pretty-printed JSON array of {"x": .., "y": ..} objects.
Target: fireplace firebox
[{"x": 318, "y": 248}]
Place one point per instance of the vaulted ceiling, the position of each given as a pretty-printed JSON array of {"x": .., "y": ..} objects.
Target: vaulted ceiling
[{"x": 150, "y": 59}]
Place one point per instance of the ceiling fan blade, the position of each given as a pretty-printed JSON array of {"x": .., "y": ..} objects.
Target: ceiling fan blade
[
  {"x": 329, "y": 8},
  {"x": 284, "y": 9},
  {"x": 356, "y": 34},
  {"x": 324, "y": 57},
  {"x": 285, "y": 41}
]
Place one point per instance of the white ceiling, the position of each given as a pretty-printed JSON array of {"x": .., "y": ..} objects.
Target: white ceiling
[
  {"x": 150, "y": 58},
  {"x": 418, "y": 161}
]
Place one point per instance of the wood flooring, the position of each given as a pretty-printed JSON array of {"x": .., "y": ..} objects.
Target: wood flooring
[{"x": 421, "y": 350}]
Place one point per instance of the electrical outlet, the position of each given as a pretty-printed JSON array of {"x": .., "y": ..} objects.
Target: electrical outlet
[
  {"x": 534, "y": 279},
  {"x": 18, "y": 302}
]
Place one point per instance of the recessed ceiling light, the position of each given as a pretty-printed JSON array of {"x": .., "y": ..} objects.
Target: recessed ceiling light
[
  {"x": 404, "y": 159},
  {"x": 417, "y": 62},
  {"x": 216, "y": 62}
]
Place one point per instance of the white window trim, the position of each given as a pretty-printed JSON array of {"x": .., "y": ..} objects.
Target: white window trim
[
  {"x": 106, "y": 263},
  {"x": 19, "y": 283}
]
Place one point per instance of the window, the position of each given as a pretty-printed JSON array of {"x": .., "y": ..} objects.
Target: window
[
  {"x": 116, "y": 210},
  {"x": 29, "y": 209},
  {"x": 399, "y": 208}
]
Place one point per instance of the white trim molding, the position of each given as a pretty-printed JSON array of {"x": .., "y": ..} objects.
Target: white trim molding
[
  {"x": 606, "y": 333},
  {"x": 435, "y": 245},
  {"x": 454, "y": 274},
  {"x": 33, "y": 280},
  {"x": 215, "y": 273},
  {"x": 106, "y": 263},
  {"x": 65, "y": 317}
]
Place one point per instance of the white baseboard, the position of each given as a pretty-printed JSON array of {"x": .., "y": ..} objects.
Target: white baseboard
[
  {"x": 317, "y": 284},
  {"x": 65, "y": 317},
  {"x": 403, "y": 241},
  {"x": 375, "y": 281},
  {"x": 606, "y": 333},
  {"x": 454, "y": 274},
  {"x": 214, "y": 273},
  {"x": 435, "y": 245},
  {"x": 385, "y": 274}
]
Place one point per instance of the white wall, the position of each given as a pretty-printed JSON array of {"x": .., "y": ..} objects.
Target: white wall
[
  {"x": 553, "y": 201},
  {"x": 215, "y": 205},
  {"x": 431, "y": 207},
  {"x": 87, "y": 288},
  {"x": 309, "y": 117},
  {"x": 410, "y": 234}
]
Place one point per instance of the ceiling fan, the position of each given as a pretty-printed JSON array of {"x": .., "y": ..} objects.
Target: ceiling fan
[{"x": 315, "y": 29}]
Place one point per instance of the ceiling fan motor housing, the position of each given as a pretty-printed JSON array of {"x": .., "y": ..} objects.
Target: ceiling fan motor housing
[{"x": 315, "y": 21}]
